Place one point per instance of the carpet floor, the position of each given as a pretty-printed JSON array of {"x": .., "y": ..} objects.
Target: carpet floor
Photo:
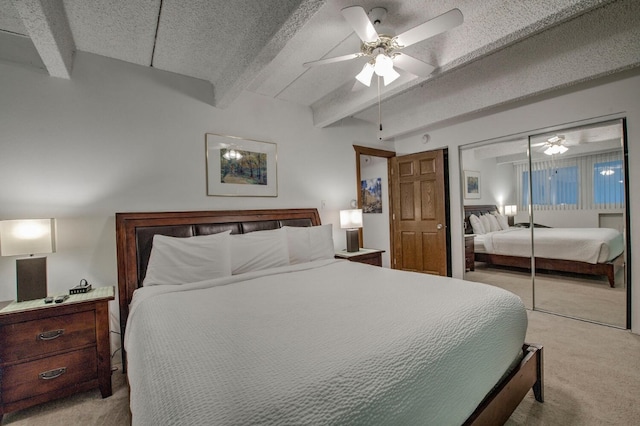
[{"x": 578, "y": 296}]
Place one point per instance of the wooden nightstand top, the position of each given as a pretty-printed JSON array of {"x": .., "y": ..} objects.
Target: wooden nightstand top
[
  {"x": 95, "y": 294},
  {"x": 346, "y": 255}
]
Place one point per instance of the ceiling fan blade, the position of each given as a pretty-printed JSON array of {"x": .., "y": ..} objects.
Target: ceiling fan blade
[
  {"x": 432, "y": 27},
  {"x": 332, "y": 60},
  {"x": 413, "y": 65},
  {"x": 359, "y": 21}
]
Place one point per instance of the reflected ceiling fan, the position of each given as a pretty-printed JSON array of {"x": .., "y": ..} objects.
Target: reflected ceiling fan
[
  {"x": 554, "y": 145},
  {"x": 384, "y": 50}
]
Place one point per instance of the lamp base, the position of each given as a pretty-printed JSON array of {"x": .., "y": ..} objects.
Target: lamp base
[
  {"x": 353, "y": 242},
  {"x": 510, "y": 220},
  {"x": 31, "y": 278}
]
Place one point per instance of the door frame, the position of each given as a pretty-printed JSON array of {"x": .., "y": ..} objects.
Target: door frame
[{"x": 373, "y": 152}]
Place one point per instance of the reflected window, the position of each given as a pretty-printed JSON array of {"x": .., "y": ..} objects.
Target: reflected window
[
  {"x": 608, "y": 183},
  {"x": 552, "y": 186}
]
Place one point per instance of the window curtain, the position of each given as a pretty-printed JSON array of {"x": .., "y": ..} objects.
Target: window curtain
[{"x": 586, "y": 182}]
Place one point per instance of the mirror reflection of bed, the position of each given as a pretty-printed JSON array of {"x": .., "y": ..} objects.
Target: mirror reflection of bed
[{"x": 582, "y": 278}]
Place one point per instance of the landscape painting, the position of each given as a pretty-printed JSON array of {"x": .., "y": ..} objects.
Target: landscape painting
[
  {"x": 243, "y": 167},
  {"x": 371, "y": 195},
  {"x": 240, "y": 167}
]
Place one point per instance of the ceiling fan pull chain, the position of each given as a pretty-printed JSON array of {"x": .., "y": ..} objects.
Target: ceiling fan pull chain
[{"x": 379, "y": 109}]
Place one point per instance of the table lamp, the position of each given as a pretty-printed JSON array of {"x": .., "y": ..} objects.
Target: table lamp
[
  {"x": 351, "y": 220},
  {"x": 510, "y": 212},
  {"x": 28, "y": 237}
]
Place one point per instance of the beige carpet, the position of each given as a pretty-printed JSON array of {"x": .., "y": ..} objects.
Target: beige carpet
[
  {"x": 578, "y": 296},
  {"x": 592, "y": 377},
  {"x": 592, "y": 374}
]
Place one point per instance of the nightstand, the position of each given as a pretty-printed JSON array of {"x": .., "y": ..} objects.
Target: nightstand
[
  {"x": 54, "y": 350},
  {"x": 469, "y": 252},
  {"x": 369, "y": 256}
]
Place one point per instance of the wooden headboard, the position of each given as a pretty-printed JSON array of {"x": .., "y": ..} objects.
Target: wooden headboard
[
  {"x": 135, "y": 231},
  {"x": 477, "y": 210}
]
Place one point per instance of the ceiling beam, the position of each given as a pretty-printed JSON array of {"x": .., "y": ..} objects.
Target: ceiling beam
[
  {"x": 229, "y": 89},
  {"x": 601, "y": 42},
  {"x": 48, "y": 27}
]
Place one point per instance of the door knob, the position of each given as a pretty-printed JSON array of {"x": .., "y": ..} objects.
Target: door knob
[{"x": 439, "y": 226}]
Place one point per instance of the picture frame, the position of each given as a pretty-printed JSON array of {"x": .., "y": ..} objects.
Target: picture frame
[
  {"x": 240, "y": 167},
  {"x": 371, "y": 195},
  {"x": 471, "y": 184}
]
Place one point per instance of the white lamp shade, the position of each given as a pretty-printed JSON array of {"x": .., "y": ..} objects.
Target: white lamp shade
[
  {"x": 556, "y": 149},
  {"x": 351, "y": 219},
  {"x": 510, "y": 210},
  {"x": 27, "y": 236},
  {"x": 365, "y": 75},
  {"x": 383, "y": 64},
  {"x": 390, "y": 76}
]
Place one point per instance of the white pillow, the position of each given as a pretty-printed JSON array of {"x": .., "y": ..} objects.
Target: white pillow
[
  {"x": 309, "y": 243},
  {"x": 484, "y": 219},
  {"x": 493, "y": 223},
  {"x": 502, "y": 221},
  {"x": 258, "y": 250},
  {"x": 176, "y": 260},
  {"x": 477, "y": 226}
]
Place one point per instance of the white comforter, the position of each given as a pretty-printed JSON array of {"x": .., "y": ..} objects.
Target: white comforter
[
  {"x": 328, "y": 342},
  {"x": 590, "y": 245}
]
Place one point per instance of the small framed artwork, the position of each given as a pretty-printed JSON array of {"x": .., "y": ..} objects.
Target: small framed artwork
[
  {"x": 471, "y": 184},
  {"x": 371, "y": 195},
  {"x": 241, "y": 167}
]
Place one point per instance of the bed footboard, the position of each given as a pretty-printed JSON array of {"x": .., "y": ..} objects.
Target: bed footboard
[
  {"x": 607, "y": 269},
  {"x": 498, "y": 406}
]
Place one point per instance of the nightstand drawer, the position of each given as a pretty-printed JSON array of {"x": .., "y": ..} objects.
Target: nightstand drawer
[
  {"x": 49, "y": 374},
  {"x": 371, "y": 259},
  {"x": 33, "y": 338}
]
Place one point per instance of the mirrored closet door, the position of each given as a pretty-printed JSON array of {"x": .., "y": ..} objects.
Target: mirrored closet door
[
  {"x": 578, "y": 209},
  {"x": 491, "y": 198},
  {"x": 563, "y": 194}
]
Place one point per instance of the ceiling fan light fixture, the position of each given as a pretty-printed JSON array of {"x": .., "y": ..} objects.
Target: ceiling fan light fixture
[
  {"x": 390, "y": 77},
  {"x": 365, "y": 75},
  {"x": 383, "y": 64},
  {"x": 556, "y": 149}
]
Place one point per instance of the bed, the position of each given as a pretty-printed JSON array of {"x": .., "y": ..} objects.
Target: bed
[
  {"x": 590, "y": 251},
  {"x": 313, "y": 341}
]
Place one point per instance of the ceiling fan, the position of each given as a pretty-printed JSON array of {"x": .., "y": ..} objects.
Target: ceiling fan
[
  {"x": 384, "y": 50},
  {"x": 553, "y": 145}
]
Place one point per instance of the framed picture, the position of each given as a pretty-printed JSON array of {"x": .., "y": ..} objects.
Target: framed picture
[
  {"x": 471, "y": 184},
  {"x": 241, "y": 167},
  {"x": 371, "y": 195}
]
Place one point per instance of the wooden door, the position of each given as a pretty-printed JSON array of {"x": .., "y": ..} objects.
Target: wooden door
[{"x": 419, "y": 213}]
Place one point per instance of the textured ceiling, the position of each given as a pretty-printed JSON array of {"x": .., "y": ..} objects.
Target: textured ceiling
[{"x": 505, "y": 50}]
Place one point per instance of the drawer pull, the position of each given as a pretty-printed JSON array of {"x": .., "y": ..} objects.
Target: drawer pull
[
  {"x": 50, "y": 335},
  {"x": 52, "y": 374}
]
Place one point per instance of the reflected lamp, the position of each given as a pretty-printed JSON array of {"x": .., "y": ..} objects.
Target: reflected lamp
[
  {"x": 28, "y": 237},
  {"x": 351, "y": 220},
  {"x": 510, "y": 212}
]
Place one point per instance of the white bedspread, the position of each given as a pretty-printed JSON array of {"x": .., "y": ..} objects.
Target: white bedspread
[
  {"x": 592, "y": 245},
  {"x": 329, "y": 342}
]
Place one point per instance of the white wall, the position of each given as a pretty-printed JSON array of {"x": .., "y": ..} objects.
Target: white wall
[
  {"x": 613, "y": 96},
  {"x": 496, "y": 180},
  {"x": 376, "y": 225},
  {"x": 119, "y": 137}
]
